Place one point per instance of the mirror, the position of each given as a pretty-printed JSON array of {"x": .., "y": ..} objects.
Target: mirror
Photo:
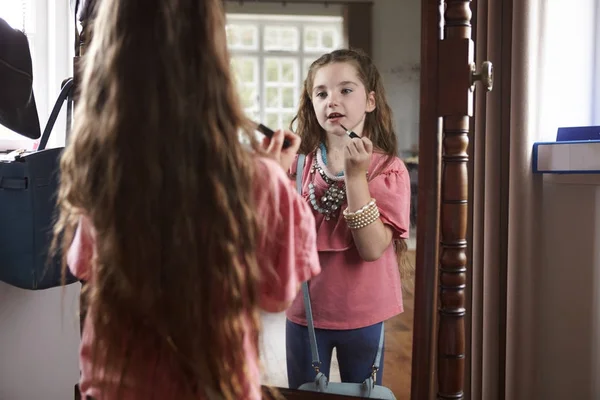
[
  {"x": 272, "y": 45},
  {"x": 401, "y": 78}
]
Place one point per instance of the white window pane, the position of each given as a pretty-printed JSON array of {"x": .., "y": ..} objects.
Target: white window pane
[
  {"x": 328, "y": 41},
  {"x": 307, "y": 62},
  {"x": 249, "y": 38},
  {"x": 249, "y": 97},
  {"x": 289, "y": 70},
  {"x": 281, "y": 70},
  {"x": 270, "y": 40},
  {"x": 272, "y": 70},
  {"x": 289, "y": 39},
  {"x": 312, "y": 39},
  {"x": 322, "y": 39},
  {"x": 277, "y": 120},
  {"x": 288, "y": 97},
  {"x": 233, "y": 36},
  {"x": 281, "y": 38},
  {"x": 286, "y": 119},
  {"x": 253, "y": 115},
  {"x": 272, "y": 98},
  {"x": 245, "y": 69},
  {"x": 242, "y": 36},
  {"x": 272, "y": 120}
]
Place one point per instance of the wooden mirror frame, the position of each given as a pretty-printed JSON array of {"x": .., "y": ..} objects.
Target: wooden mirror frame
[{"x": 439, "y": 338}]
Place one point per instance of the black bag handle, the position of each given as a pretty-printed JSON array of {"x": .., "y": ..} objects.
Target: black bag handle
[{"x": 66, "y": 93}]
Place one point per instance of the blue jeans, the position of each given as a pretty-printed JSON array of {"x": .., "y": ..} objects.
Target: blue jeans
[{"x": 355, "y": 348}]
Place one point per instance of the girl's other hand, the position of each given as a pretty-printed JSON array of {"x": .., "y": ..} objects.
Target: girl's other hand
[
  {"x": 274, "y": 147},
  {"x": 357, "y": 157}
]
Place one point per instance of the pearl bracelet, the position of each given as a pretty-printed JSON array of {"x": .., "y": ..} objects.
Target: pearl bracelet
[{"x": 364, "y": 216}]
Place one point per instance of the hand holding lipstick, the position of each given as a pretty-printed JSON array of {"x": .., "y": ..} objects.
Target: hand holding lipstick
[
  {"x": 357, "y": 157},
  {"x": 275, "y": 149}
]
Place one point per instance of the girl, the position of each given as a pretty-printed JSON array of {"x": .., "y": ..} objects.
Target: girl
[
  {"x": 359, "y": 286},
  {"x": 159, "y": 206}
]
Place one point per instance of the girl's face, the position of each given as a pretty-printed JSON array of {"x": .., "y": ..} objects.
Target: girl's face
[{"x": 340, "y": 98}]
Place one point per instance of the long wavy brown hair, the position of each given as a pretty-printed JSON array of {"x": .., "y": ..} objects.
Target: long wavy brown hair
[
  {"x": 379, "y": 126},
  {"x": 156, "y": 164}
]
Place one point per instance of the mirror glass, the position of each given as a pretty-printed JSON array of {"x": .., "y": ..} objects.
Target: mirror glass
[{"x": 272, "y": 44}]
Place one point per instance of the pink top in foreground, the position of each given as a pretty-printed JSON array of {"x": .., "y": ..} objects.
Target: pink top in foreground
[{"x": 293, "y": 255}]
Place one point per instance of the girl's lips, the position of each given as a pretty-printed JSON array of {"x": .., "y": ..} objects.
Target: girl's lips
[{"x": 335, "y": 119}]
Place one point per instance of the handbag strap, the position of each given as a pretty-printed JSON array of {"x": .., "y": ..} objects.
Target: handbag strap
[
  {"x": 379, "y": 351},
  {"x": 299, "y": 171},
  {"x": 316, "y": 363},
  {"x": 66, "y": 93}
]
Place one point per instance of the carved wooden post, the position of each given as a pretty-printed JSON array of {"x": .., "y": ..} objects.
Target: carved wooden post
[{"x": 455, "y": 106}]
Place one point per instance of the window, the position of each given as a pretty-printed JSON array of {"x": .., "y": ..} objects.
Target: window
[
  {"x": 49, "y": 27},
  {"x": 271, "y": 55},
  {"x": 19, "y": 15},
  {"x": 569, "y": 58}
]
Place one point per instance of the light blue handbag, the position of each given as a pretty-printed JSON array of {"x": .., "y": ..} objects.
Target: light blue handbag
[{"x": 367, "y": 389}]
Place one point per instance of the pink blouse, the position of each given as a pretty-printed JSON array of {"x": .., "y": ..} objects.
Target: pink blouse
[
  {"x": 351, "y": 293},
  {"x": 288, "y": 246}
]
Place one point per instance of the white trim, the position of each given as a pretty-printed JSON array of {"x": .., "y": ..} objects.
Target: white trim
[{"x": 61, "y": 30}]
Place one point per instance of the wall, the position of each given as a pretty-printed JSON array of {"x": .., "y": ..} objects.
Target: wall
[
  {"x": 39, "y": 340},
  {"x": 397, "y": 53},
  {"x": 568, "y": 290}
]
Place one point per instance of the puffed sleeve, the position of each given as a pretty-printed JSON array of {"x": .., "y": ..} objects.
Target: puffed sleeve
[
  {"x": 81, "y": 251},
  {"x": 391, "y": 189},
  {"x": 287, "y": 249}
]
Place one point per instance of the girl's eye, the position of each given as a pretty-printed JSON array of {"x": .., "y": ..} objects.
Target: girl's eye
[
  {"x": 346, "y": 91},
  {"x": 321, "y": 94}
]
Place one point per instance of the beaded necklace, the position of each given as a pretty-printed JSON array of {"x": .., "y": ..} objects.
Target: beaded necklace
[{"x": 335, "y": 194}]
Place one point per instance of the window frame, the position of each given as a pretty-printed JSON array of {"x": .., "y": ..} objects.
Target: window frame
[{"x": 298, "y": 21}]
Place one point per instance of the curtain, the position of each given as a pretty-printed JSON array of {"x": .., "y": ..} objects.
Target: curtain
[
  {"x": 528, "y": 319},
  {"x": 504, "y": 204},
  {"x": 490, "y": 203}
]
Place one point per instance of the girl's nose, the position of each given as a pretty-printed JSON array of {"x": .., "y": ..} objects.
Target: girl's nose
[{"x": 332, "y": 101}]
